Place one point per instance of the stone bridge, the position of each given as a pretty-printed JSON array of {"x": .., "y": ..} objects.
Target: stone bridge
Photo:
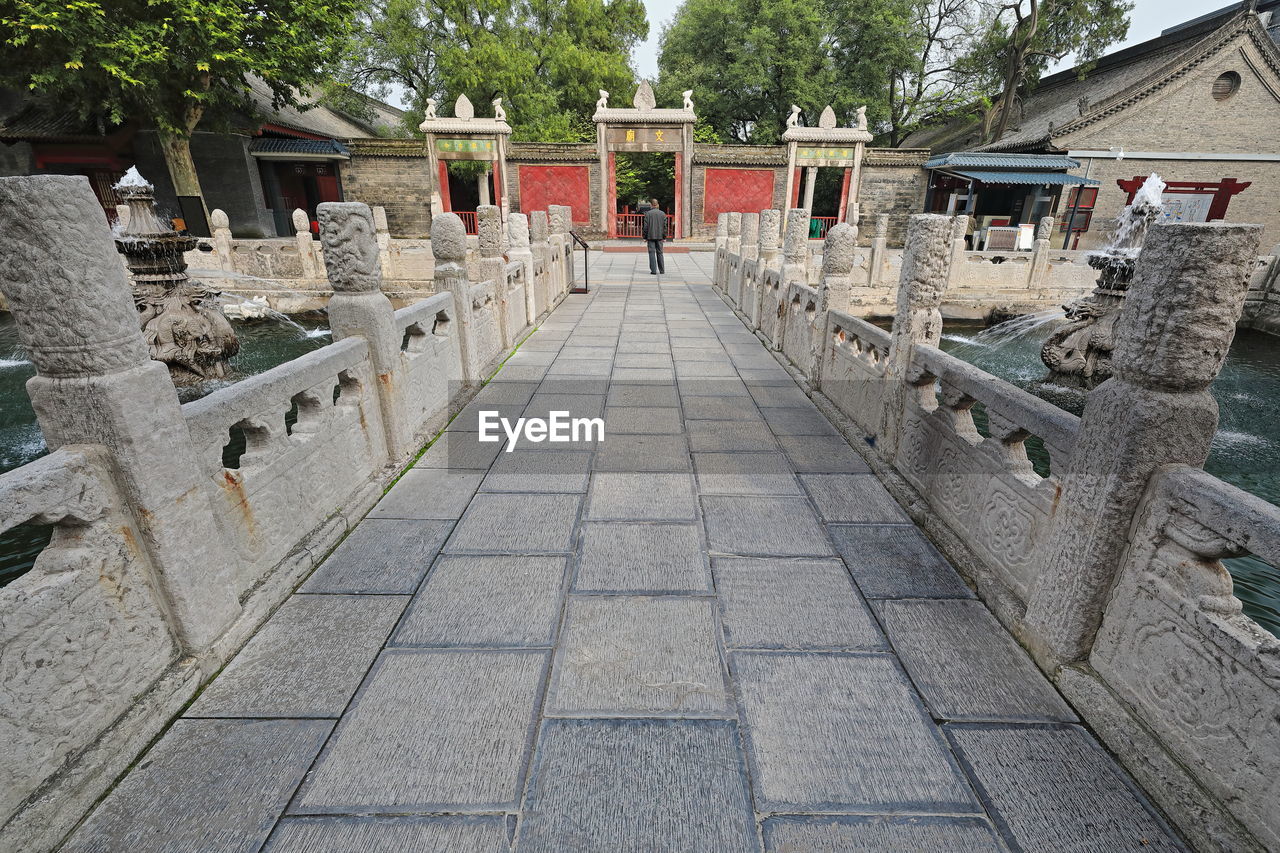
[{"x": 797, "y": 598}]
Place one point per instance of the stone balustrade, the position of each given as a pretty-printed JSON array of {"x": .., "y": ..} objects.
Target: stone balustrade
[
  {"x": 176, "y": 529},
  {"x": 1103, "y": 550}
]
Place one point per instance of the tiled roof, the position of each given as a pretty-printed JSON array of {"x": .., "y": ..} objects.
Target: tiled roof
[
  {"x": 993, "y": 176},
  {"x": 310, "y": 147},
  {"x": 987, "y": 160}
]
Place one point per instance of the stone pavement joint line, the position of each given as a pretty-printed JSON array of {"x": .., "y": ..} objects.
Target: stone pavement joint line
[{"x": 713, "y": 630}]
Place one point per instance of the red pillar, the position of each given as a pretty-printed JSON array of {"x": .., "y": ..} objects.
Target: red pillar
[
  {"x": 444, "y": 186},
  {"x": 612, "y": 195},
  {"x": 842, "y": 210},
  {"x": 676, "y": 206},
  {"x": 795, "y": 188}
]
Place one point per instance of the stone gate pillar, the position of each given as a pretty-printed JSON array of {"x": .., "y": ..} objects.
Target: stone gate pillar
[
  {"x": 449, "y": 245},
  {"x": 359, "y": 308},
  {"x": 926, "y": 262},
  {"x": 96, "y": 384},
  {"x": 1172, "y": 337}
]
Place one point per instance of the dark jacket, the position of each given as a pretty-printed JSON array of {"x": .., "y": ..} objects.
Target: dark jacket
[{"x": 655, "y": 225}]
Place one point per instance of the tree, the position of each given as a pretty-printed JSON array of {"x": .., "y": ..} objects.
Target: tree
[
  {"x": 546, "y": 58},
  {"x": 1029, "y": 35},
  {"x": 169, "y": 63}
]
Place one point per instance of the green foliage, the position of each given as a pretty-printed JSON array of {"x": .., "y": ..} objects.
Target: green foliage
[
  {"x": 547, "y": 59},
  {"x": 167, "y": 62},
  {"x": 644, "y": 175}
]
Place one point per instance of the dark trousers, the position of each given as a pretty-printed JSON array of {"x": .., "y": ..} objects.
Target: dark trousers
[{"x": 656, "y": 262}]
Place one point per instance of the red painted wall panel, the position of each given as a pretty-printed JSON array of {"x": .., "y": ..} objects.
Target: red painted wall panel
[
  {"x": 544, "y": 185},
  {"x": 736, "y": 191}
]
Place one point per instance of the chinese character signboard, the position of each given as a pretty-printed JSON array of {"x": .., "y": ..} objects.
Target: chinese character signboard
[
  {"x": 645, "y": 138},
  {"x": 466, "y": 149},
  {"x": 836, "y": 155}
]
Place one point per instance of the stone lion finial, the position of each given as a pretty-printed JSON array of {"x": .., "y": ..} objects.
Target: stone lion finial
[
  {"x": 603, "y": 103},
  {"x": 499, "y": 114},
  {"x": 793, "y": 120},
  {"x": 432, "y": 103},
  {"x": 688, "y": 99},
  {"x": 862, "y": 118}
]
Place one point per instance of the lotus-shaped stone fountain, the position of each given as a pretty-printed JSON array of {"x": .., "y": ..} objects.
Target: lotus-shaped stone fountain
[
  {"x": 1079, "y": 353},
  {"x": 180, "y": 318}
]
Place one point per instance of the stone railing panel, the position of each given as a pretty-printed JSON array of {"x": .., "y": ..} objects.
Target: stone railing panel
[
  {"x": 290, "y": 480},
  {"x": 516, "y": 311},
  {"x": 983, "y": 486},
  {"x": 853, "y": 355},
  {"x": 772, "y": 305},
  {"x": 1177, "y": 650},
  {"x": 83, "y": 634},
  {"x": 432, "y": 355},
  {"x": 484, "y": 331},
  {"x": 799, "y": 334}
]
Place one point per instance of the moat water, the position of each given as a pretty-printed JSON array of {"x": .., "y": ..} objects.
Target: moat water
[
  {"x": 263, "y": 345},
  {"x": 1245, "y": 451}
]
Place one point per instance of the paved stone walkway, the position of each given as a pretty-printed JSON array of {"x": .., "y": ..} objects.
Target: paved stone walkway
[{"x": 712, "y": 631}]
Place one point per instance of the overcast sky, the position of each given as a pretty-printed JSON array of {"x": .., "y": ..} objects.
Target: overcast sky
[{"x": 1149, "y": 17}]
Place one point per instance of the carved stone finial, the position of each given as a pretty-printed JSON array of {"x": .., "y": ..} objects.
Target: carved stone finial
[
  {"x": 688, "y": 99},
  {"x": 463, "y": 109},
  {"x": 603, "y": 103},
  {"x": 518, "y": 229},
  {"x": 217, "y": 219},
  {"x": 350, "y": 242},
  {"x": 734, "y": 222},
  {"x": 559, "y": 217},
  {"x": 1045, "y": 229},
  {"x": 862, "y": 118},
  {"x": 827, "y": 121},
  {"x": 499, "y": 114},
  {"x": 770, "y": 230},
  {"x": 750, "y": 230},
  {"x": 489, "y": 226},
  {"x": 301, "y": 224},
  {"x": 539, "y": 226},
  {"x": 65, "y": 284},
  {"x": 432, "y": 103},
  {"x": 380, "y": 219},
  {"x": 448, "y": 238},
  {"x": 722, "y": 227},
  {"x": 793, "y": 120},
  {"x": 644, "y": 99},
  {"x": 926, "y": 262},
  {"x": 837, "y": 249},
  {"x": 882, "y": 226}
]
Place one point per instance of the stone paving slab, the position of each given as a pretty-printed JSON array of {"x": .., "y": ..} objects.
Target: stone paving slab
[
  {"x": 578, "y": 405},
  {"x": 1051, "y": 787},
  {"x": 965, "y": 665},
  {"x": 480, "y": 601},
  {"x": 838, "y": 732},
  {"x": 842, "y": 833},
  {"x": 636, "y": 786},
  {"x": 721, "y": 408},
  {"x": 792, "y": 604},
  {"x": 641, "y": 497},
  {"x": 381, "y": 556},
  {"x": 742, "y": 473},
  {"x": 730, "y": 435},
  {"x": 896, "y": 562},
  {"x": 766, "y": 526},
  {"x": 516, "y": 524},
  {"x": 429, "y": 493},
  {"x": 826, "y": 454},
  {"x": 647, "y": 394},
  {"x": 447, "y": 834},
  {"x": 548, "y": 469},
  {"x": 798, "y": 420},
  {"x": 459, "y": 450},
  {"x": 854, "y": 498},
  {"x": 207, "y": 785},
  {"x": 648, "y": 558},
  {"x": 643, "y": 453},
  {"x": 654, "y": 420},
  {"x": 639, "y": 656},
  {"x": 431, "y": 731},
  {"x": 306, "y": 661}
]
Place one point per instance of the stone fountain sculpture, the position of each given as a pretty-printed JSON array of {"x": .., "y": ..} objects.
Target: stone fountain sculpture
[
  {"x": 181, "y": 321},
  {"x": 1078, "y": 354}
]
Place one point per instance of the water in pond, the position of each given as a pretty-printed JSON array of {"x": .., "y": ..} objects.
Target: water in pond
[
  {"x": 1245, "y": 452},
  {"x": 263, "y": 345}
]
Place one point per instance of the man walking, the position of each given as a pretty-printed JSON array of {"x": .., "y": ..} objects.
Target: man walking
[{"x": 655, "y": 231}]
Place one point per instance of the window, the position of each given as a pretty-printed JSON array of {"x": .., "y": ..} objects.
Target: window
[{"x": 1226, "y": 85}]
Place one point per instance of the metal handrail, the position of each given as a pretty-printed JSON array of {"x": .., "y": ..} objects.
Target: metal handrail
[{"x": 586, "y": 278}]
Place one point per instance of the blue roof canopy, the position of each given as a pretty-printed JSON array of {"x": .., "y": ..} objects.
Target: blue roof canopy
[
  {"x": 984, "y": 160},
  {"x": 1056, "y": 179}
]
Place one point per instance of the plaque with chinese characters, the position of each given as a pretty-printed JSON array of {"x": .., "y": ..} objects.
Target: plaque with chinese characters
[
  {"x": 825, "y": 155},
  {"x": 466, "y": 149},
  {"x": 645, "y": 138}
]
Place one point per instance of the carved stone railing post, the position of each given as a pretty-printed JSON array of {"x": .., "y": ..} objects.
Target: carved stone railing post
[
  {"x": 733, "y": 248},
  {"x": 718, "y": 265},
  {"x": 384, "y": 240},
  {"x": 540, "y": 243},
  {"x": 449, "y": 245},
  {"x": 493, "y": 267},
  {"x": 518, "y": 234},
  {"x": 749, "y": 249},
  {"x": 561, "y": 218},
  {"x": 926, "y": 261},
  {"x": 767, "y": 255},
  {"x": 879, "y": 244},
  {"x": 95, "y": 384},
  {"x": 358, "y": 307},
  {"x": 219, "y": 226},
  {"x": 1173, "y": 334},
  {"x": 306, "y": 247},
  {"x": 1040, "y": 254},
  {"x": 795, "y": 248},
  {"x": 834, "y": 289}
]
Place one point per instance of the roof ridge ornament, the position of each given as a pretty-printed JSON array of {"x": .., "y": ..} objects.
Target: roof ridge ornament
[
  {"x": 463, "y": 109},
  {"x": 827, "y": 121},
  {"x": 644, "y": 99},
  {"x": 793, "y": 120}
]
